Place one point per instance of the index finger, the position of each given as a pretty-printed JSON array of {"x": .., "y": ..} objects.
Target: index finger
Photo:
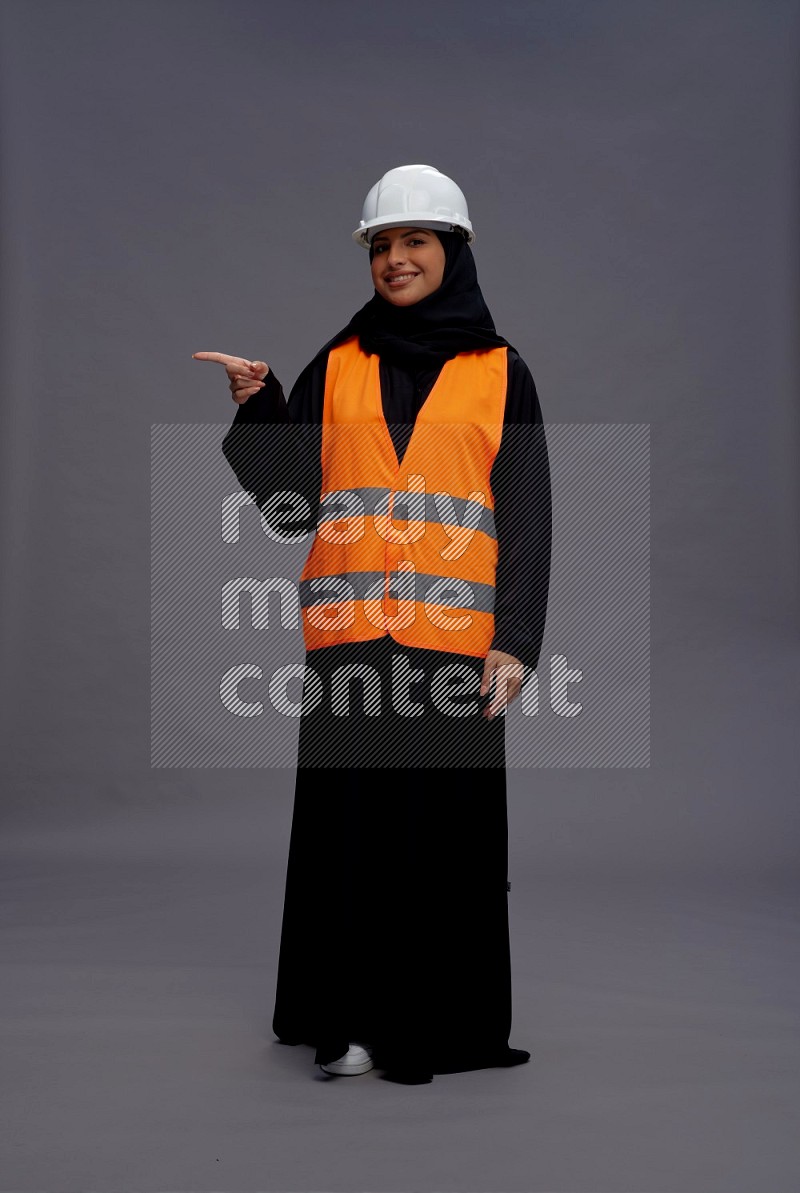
[{"x": 221, "y": 358}]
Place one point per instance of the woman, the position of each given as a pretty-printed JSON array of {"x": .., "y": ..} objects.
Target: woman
[{"x": 394, "y": 947}]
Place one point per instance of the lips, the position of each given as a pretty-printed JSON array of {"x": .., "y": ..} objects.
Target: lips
[{"x": 400, "y": 279}]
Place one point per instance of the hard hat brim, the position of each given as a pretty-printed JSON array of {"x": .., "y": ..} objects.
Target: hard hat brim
[{"x": 407, "y": 219}]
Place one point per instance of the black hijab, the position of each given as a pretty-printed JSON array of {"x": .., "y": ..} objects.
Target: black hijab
[{"x": 453, "y": 319}]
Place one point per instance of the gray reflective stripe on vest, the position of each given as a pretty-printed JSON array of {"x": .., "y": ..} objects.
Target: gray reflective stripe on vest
[
  {"x": 339, "y": 504},
  {"x": 444, "y": 591}
]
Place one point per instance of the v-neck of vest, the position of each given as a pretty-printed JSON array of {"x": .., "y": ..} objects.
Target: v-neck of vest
[{"x": 382, "y": 417}]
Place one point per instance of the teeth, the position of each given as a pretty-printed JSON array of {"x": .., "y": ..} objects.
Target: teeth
[{"x": 402, "y": 277}]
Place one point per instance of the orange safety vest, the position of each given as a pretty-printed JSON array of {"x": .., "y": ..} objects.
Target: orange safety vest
[{"x": 424, "y": 572}]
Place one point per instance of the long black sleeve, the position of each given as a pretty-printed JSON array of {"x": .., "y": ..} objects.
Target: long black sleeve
[
  {"x": 274, "y": 446},
  {"x": 520, "y": 482}
]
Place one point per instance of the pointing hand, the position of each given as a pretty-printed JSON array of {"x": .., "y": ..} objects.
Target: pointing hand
[{"x": 246, "y": 377}]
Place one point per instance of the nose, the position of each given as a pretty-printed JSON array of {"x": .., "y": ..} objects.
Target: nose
[{"x": 396, "y": 255}]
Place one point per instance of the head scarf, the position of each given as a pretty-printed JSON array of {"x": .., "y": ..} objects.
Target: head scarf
[{"x": 453, "y": 319}]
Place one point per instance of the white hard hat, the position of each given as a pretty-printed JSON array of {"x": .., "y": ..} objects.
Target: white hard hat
[{"x": 413, "y": 196}]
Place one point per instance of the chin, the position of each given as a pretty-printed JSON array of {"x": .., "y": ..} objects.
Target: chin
[{"x": 403, "y": 300}]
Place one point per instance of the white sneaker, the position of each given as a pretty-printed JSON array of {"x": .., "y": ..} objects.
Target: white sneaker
[{"x": 356, "y": 1060}]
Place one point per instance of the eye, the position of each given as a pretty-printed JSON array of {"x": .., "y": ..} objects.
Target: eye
[{"x": 378, "y": 248}]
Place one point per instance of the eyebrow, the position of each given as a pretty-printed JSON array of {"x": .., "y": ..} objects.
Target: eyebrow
[{"x": 410, "y": 232}]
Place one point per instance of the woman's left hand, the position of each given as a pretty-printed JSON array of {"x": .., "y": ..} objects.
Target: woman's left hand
[{"x": 509, "y": 675}]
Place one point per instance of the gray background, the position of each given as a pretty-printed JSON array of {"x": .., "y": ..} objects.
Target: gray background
[{"x": 185, "y": 176}]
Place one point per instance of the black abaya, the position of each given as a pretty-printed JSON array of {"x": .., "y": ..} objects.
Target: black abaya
[
  {"x": 395, "y": 920},
  {"x": 395, "y": 925}
]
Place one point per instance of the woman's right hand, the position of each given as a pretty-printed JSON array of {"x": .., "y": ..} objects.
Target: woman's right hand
[{"x": 246, "y": 377}]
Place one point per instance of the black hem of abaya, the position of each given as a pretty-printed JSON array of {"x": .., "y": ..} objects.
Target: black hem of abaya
[{"x": 502, "y": 1057}]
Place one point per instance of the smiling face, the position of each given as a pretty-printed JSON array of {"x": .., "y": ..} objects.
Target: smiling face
[{"x": 407, "y": 264}]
